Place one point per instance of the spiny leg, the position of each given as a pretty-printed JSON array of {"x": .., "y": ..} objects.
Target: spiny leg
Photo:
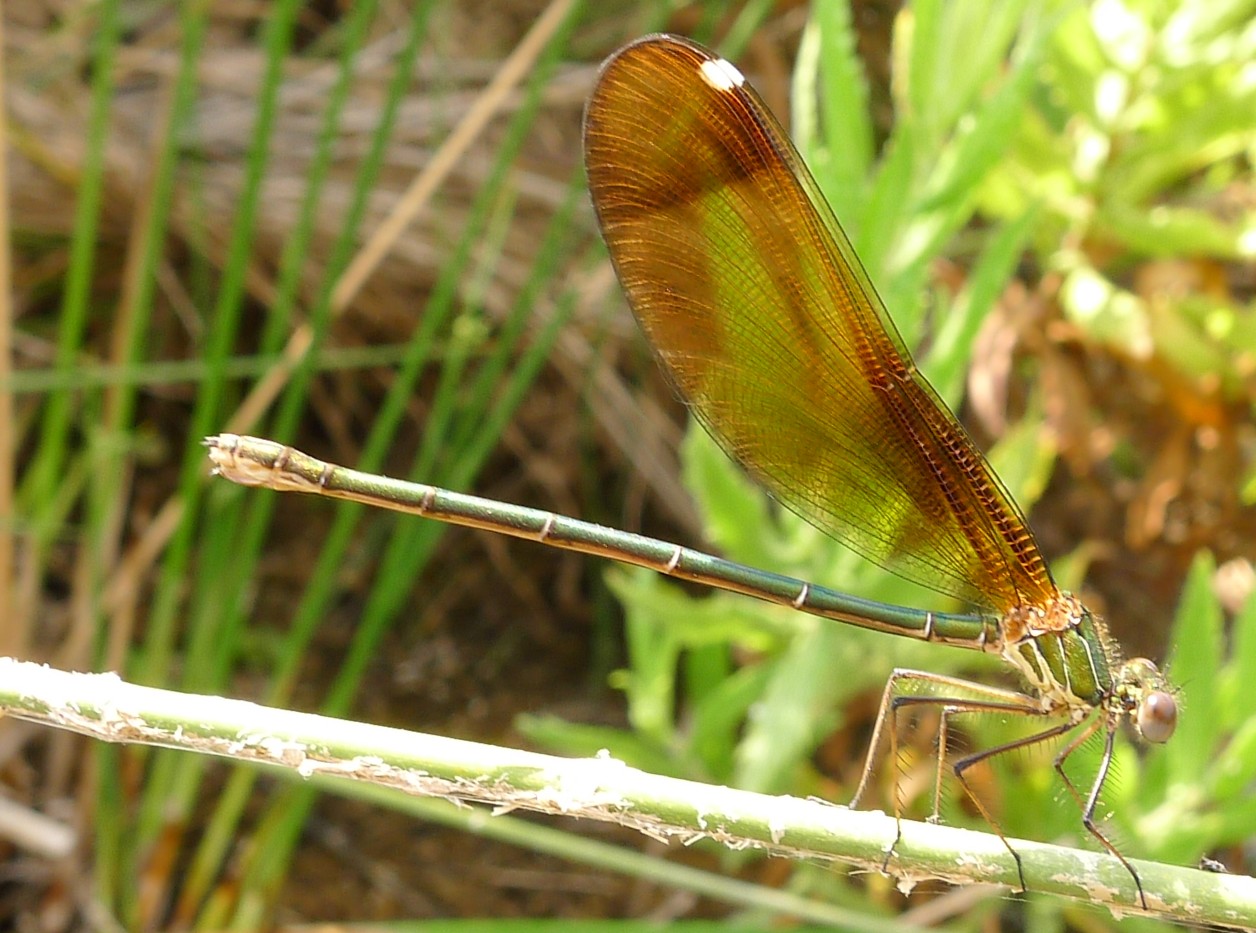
[
  {"x": 1071, "y": 746},
  {"x": 944, "y": 738},
  {"x": 1092, "y": 799},
  {"x": 986, "y": 754},
  {"x": 1020, "y": 701},
  {"x": 996, "y": 700}
]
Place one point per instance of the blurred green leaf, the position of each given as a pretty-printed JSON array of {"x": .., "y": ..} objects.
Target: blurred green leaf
[
  {"x": 1195, "y": 665},
  {"x": 832, "y": 126},
  {"x": 1108, "y": 314},
  {"x": 946, "y": 364},
  {"x": 793, "y": 714}
]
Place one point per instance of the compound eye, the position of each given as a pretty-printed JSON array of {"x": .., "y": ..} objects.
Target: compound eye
[{"x": 1157, "y": 716}]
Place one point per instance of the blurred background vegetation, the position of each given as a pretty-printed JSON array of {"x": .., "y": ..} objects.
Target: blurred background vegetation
[{"x": 361, "y": 228}]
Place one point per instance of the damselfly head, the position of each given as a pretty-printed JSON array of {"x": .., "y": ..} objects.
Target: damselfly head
[{"x": 1150, "y": 702}]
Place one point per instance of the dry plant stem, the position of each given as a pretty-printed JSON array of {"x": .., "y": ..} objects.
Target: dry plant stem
[
  {"x": 513, "y": 70},
  {"x": 123, "y": 615},
  {"x": 416, "y": 197},
  {"x": 34, "y": 832},
  {"x": 106, "y": 708},
  {"x": 122, "y": 589},
  {"x": 15, "y": 635}
]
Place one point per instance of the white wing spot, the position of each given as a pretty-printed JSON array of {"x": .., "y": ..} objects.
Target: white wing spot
[{"x": 721, "y": 74}]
